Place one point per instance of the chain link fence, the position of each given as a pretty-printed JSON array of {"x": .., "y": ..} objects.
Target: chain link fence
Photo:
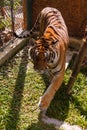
[{"x": 11, "y": 19}]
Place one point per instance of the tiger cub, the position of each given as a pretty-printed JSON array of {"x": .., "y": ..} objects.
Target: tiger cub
[{"x": 49, "y": 50}]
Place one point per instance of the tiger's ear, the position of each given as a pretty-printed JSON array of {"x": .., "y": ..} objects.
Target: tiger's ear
[{"x": 55, "y": 41}]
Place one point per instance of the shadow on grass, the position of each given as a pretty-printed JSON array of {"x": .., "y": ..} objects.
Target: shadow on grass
[
  {"x": 84, "y": 70},
  {"x": 60, "y": 104},
  {"x": 13, "y": 115},
  {"x": 40, "y": 126},
  {"x": 56, "y": 113}
]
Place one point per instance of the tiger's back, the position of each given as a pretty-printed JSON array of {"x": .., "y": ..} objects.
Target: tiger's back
[{"x": 51, "y": 17}]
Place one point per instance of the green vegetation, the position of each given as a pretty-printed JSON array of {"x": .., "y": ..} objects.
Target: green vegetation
[
  {"x": 21, "y": 88},
  {"x": 7, "y": 3},
  {"x": 4, "y": 20}
]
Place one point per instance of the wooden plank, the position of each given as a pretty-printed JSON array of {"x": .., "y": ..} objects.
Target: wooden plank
[
  {"x": 11, "y": 50},
  {"x": 75, "y": 43}
]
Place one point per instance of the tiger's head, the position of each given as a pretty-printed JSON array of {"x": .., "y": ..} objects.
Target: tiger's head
[{"x": 41, "y": 53}]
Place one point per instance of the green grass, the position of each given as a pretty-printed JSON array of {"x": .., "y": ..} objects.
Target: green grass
[{"x": 20, "y": 89}]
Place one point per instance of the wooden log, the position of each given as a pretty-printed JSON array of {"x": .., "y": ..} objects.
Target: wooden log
[
  {"x": 12, "y": 49},
  {"x": 75, "y": 43},
  {"x": 77, "y": 64}
]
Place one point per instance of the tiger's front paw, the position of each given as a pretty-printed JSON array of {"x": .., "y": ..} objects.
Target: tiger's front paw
[{"x": 43, "y": 104}]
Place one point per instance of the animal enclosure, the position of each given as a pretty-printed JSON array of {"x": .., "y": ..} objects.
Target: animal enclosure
[{"x": 74, "y": 13}]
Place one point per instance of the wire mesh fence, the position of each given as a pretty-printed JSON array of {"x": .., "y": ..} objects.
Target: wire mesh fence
[{"x": 11, "y": 19}]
